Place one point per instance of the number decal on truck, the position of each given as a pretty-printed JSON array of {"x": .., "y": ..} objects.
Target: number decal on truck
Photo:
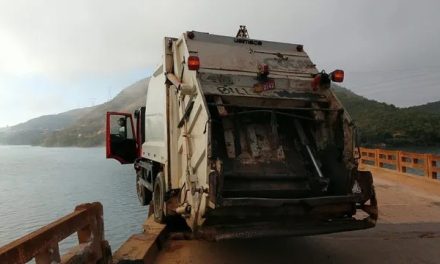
[
  {"x": 269, "y": 85},
  {"x": 226, "y": 90}
]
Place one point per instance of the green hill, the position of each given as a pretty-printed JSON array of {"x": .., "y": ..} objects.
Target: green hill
[
  {"x": 379, "y": 123},
  {"x": 78, "y": 127},
  {"x": 433, "y": 108},
  {"x": 385, "y": 124},
  {"x": 34, "y": 130},
  {"x": 89, "y": 129}
]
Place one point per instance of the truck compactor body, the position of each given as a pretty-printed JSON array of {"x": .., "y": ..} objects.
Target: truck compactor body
[{"x": 242, "y": 138}]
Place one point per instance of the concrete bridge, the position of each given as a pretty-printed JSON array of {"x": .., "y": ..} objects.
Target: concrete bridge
[{"x": 408, "y": 229}]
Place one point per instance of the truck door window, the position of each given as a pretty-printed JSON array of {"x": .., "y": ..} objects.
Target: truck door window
[{"x": 121, "y": 127}]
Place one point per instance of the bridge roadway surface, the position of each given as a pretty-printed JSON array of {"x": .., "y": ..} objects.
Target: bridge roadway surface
[{"x": 408, "y": 231}]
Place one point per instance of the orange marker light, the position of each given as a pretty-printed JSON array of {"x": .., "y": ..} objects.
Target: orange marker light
[
  {"x": 193, "y": 63},
  {"x": 337, "y": 76}
]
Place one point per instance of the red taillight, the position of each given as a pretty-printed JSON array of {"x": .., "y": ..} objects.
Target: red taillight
[
  {"x": 193, "y": 63},
  {"x": 321, "y": 81},
  {"x": 263, "y": 69},
  {"x": 315, "y": 82},
  {"x": 337, "y": 76}
]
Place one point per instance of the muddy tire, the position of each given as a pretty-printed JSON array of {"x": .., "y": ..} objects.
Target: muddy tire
[
  {"x": 159, "y": 198},
  {"x": 143, "y": 194}
]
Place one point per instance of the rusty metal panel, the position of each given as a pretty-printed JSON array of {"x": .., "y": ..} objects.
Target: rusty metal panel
[
  {"x": 286, "y": 63},
  {"x": 229, "y": 137},
  {"x": 226, "y": 53},
  {"x": 244, "y": 86},
  {"x": 220, "y": 56}
]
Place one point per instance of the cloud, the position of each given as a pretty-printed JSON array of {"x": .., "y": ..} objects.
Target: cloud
[
  {"x": 68, "y": 42},
  {"x": 69, "y": 39},
  {"x": 65, "y": 39}
]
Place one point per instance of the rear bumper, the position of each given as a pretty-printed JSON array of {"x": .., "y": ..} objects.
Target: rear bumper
[
  {"x": 268, "y": 217},
  {"x": 233, "y": 210},
  {"x": 262, "y": 230},
  {"x": 274, "y": 202}
]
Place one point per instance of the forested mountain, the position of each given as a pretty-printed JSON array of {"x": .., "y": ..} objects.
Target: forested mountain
[
  {"x": 433, "y": 107},
  {"x": 379, "y": 123},
  {"x": 33, "y": 131},
  {"x": 78, "y": 127},
  {"x": 386, "y": 124},
  {"x": 88, "y": 129}
]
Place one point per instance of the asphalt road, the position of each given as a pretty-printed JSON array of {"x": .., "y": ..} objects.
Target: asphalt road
[{"x": 408, "y": 231}]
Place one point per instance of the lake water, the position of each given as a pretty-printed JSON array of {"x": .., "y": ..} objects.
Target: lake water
[{"x": 39, "y": 185}]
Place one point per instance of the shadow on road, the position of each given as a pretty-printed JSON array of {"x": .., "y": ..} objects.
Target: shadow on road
[{"x": 387, "y": 243}]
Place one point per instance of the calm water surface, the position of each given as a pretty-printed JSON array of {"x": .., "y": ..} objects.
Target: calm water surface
[{"x": 39, "y": 185}]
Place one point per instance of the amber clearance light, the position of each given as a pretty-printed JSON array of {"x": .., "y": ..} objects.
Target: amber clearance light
[{"x": 337, "y": 76}]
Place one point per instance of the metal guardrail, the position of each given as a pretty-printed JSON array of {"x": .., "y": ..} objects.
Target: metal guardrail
[
  {"x": 42, "y": 244},
  {"x": 401, "y": 161}
]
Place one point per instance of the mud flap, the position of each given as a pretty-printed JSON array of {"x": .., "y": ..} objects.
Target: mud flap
[{"x": 365, "y": 182}]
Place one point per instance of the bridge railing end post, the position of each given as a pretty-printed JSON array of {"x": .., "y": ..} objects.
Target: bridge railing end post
[
  {"x": 376, "y": 158},
  {"x": 399, "y": 161},
  {"x": 428, "y": 166}
]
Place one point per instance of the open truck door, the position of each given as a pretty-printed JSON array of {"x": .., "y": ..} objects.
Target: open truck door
[{"x": 120, "y": 137}]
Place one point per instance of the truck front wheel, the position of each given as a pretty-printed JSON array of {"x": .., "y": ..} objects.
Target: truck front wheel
[{"x": 159, "y": 198}]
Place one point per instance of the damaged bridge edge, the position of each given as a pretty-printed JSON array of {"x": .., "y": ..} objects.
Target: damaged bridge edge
[{"x": 143, "y": 247}]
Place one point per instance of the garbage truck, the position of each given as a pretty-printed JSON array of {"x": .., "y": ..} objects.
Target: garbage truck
[{"x": 244, "y": 138}]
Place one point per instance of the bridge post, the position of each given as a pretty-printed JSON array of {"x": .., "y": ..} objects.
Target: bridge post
[
  {"x": 399, "y": 161},
  {"x": 427, "y": 164},
  {"x": 49, "y": 255},
  {"x": 430, "y": 164},
  {"x": 376, "y": 158}
]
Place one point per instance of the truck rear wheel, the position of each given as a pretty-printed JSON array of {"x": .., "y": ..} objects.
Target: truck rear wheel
[
  {"x": 159, "y": 198},
  {"x": 144, "y": 195}
]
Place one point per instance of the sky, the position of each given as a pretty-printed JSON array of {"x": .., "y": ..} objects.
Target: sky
[{"x": 58, "y": 55}]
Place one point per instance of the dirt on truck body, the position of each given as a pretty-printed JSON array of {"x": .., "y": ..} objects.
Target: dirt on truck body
[{"x": 244, "y": 138}]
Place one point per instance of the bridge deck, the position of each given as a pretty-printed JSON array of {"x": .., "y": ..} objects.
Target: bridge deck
[{"x": 408, "y": 231}]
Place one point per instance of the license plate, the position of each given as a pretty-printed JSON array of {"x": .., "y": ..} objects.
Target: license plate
[{"x": 269, "y": 85}]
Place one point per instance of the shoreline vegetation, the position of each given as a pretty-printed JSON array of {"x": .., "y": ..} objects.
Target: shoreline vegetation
[{"x": 380, "y": 125}]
